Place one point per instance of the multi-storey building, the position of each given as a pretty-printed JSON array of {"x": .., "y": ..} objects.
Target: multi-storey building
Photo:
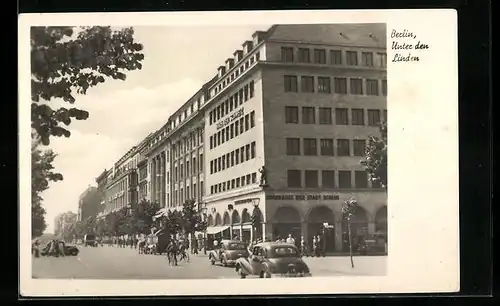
[
  {"x": 121, "y": 188},
  {"x": 62, "y": 221},
  {"x": 89, "y": 204},
  {"x": 102, "y": 181},
  {"x": 300, "y": 100},
  {"x": 143, "y": 177},
  {"x": 176, "y": 158}
]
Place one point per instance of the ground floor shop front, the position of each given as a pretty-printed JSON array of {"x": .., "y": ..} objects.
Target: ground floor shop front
[{"x": 302, "y": 215}]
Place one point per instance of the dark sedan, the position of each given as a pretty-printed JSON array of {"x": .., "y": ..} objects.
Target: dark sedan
[
  {"x": 273, "y": 259},
  {"x": 227, "y": 252},
  {"x": 69, "y": 250}
]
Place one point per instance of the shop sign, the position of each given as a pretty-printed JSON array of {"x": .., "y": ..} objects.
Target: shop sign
[
  {"x": 239, "y": 202},
  {"x": 302, "y": 197},
  {"x": 240, "y": 112}
]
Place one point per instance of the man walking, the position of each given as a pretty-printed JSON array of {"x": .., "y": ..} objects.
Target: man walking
[{"x": 61, "y": 248}]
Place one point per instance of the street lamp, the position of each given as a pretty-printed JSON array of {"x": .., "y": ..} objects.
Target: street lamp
[
  {"x": 255, "y": 202},
  {"x": 202, "y": 209},
  {"x": 256, "y": 218}
]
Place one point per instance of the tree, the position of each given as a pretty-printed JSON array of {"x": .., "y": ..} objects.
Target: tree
[
  {"x": 173, "y": 222},
  {"x": 375, "y": 160},
  {"x": 80, "y": 229},
  {"x": 89, "y": 225},
  {"x": 38, "y": 224},
  {"x": 69, "y": 232},
  {"x": 190, "y": 217},
  {"x": 100, "y": 227},
  {"x": 348, "y": 210},
  {"x": 112, "y": 223},
  {"x": 67, "y": 59},
  {"x": 42, "y": 173},
  {"x": 127, "y": 221},
  {"x": 146, "y": 213}
]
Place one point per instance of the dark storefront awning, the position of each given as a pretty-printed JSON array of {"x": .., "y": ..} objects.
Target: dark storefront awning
[{"x": 212, "y": 230}]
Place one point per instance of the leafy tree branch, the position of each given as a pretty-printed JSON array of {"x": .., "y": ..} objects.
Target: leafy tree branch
[
  {"x": 375, "y": 160},
  {"x": 65, "y": 60}
]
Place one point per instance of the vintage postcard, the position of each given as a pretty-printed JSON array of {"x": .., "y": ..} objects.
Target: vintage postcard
[{"x": 239, "y": 153}]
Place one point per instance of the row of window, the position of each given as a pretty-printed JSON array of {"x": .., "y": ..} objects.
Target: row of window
[
  {"x": 241, "y": 96},
  {"x": 183, "y": 194},
  {"x": 336, "y": 57},
  {"x": 186, "y": 168},
  {"x": 323, "y": 84},
  {"x": 186, "y": 144},
  {"x": 233, "y": 158},
  {"x": 232, "y": 130},
  {"x": 328, "y": 179},
  {"x": 238, "y": 182},
  {"x": 119, "y": 187},
  {"x": 326, "y": 147},
  {"x": 341, "y": 116},
  {"x": 236, "y": 73},
  {"x": 176, "y": 121},
  {"x": 115, "y": 204}
]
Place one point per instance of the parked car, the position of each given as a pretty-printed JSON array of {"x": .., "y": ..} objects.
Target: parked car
[
  {"x": 227, "y": 252},
  {"x": 273, "y": 259},
  {"x": 69, "y": 250}
]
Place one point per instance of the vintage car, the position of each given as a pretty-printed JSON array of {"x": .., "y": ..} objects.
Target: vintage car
[
  {"x": 69, "y": 250},
  {"x": 273, "y": 259},
  {"x": 227, "y": 252}
]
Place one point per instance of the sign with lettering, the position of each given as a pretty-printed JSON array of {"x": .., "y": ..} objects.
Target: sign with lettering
[
  {"x": 302, "y": 197},
  {"x": 239, "y": 202},
  {"x": 231, "y": 118}
]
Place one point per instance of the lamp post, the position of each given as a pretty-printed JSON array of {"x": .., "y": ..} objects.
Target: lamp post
[
  {"x": 255, "y": 202},
  {"x": 202, "y": 208}
]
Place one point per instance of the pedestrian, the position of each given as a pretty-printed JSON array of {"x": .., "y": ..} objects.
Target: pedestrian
[
  {"x": 318, "y": 246},
  {"x": 55, "y": 250},
  {"x": 36, "y": 248},
  {"x": 321, "y": 246},
  {"x": 278, "y": 239},
  {"x": 303, "y": 246},
  {"x": 61, "y": 248},
  {"x": 195, "y": 247},
  {"x": 314, "y": 246},
  {"x": 290, "y": 239}
]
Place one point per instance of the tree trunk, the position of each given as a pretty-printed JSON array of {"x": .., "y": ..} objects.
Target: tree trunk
[{"x": 350, "y": 242}]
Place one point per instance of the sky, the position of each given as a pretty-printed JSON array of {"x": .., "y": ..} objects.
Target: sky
[{"x": 177, "y": 62}]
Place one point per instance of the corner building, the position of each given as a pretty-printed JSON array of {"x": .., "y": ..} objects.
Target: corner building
[{"x": 300, "y": 100}]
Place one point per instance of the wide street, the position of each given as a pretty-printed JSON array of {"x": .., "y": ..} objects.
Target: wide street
[{"x": 125, "y": 263}]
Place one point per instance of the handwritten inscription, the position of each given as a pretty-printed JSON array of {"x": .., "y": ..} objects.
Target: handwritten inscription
[{"x": 406, "y": 45}]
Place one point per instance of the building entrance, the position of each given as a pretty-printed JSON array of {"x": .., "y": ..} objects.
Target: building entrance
[
  {"x": 286, "y": 220},
  {"x": 315, "y": 226}
]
